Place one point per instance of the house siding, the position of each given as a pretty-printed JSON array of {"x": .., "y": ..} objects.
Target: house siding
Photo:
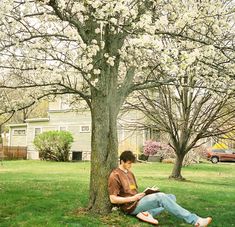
[
  {"x": 129, "y": 137},
  {"x": 17, "y": 140},
  {"x": 31, "y": 150},
  {"x": 82, "y": 140},
  {"x": 71, "y": 121}
]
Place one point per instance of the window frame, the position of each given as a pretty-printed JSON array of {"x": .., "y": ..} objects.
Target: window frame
[
  {"x": 62, "y": 126},
  {"x": 87, "y": 131},
  {"x": 35, "y": 131},
  {"x": 18, "y": 134}
]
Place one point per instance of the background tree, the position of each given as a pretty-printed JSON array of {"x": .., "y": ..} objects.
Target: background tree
[
  {"x": 38, "y": 109},
  {"x": 102, "y": 51},
  {"x": 188, "y": 112},
  {"x": 13, "y": 108}
]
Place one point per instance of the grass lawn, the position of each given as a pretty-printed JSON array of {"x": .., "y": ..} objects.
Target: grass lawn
[{"x": 37, "y": 193}]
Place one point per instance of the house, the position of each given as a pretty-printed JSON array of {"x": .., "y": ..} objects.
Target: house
[{"x": 62, "y": 117}]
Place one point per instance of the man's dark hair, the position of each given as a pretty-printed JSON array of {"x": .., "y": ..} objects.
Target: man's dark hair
[{"x": 127, "y": 156}]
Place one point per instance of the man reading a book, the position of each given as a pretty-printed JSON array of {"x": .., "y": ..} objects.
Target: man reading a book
[{"x": 123, "y": 190}]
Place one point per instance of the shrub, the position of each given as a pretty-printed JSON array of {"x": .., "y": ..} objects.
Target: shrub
[
  {"x": 168, "y": 155},
  {"x": 151, "y": 147},
  {"x": 54, "y": 145},
  {"x": 169, "y": 160},
  {"x": 142, "y": 157}
]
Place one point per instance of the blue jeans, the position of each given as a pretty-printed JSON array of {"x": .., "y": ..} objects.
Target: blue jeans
[{"x": 157, "y": 202}]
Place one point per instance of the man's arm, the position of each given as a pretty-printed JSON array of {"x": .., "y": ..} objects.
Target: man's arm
[{"x": 120, "y": 200}]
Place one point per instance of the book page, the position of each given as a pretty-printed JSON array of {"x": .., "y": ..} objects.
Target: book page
[{"x": 151, "y": 190}]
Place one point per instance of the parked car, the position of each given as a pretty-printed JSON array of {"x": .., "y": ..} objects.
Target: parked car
[{"x": 218, "y": 155}]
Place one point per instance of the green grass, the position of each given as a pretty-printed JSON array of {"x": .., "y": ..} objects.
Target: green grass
[{"x": 36, "y": 193}]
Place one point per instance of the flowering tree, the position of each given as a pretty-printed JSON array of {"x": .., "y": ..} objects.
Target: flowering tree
[
  {"x": 12, "y": 111},
  {"x": 103, "y": 50},
  {"x": 151, "y": 147}
]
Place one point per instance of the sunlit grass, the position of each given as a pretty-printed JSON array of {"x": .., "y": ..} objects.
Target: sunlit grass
[{"x": 36, "y": 193}]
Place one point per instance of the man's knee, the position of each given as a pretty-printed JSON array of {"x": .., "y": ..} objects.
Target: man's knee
[
  {"x": 161, "y": 194},
  {"x": 171, "y": 196},
  {"x": 168, "y": 196},
  {"x": 161, "y": 197}
]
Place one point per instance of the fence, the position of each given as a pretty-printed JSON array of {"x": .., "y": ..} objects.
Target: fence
[{"x": 12, "y": 152}]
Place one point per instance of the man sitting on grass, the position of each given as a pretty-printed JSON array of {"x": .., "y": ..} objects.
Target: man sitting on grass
[{"x": 122, "y": 188}]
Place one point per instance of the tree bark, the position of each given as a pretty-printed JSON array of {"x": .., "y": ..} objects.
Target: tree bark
[
  {"x": 176, "y": 172},
  {"x": 106, "y": 100},
  {"x": 104, "y": 154}
]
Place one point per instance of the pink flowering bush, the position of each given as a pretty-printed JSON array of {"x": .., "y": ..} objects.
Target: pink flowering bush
[
  {"x": 151, "y": 147},
  {"x": 167, "y": 153}
]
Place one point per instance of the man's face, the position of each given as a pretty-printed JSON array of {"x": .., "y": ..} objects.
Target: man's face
[{"x": 127, "y": 165}]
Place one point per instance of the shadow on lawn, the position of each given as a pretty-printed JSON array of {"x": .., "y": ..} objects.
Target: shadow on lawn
[
  {"x": 209, "y": 183},
  {"x": 118, "y": 219}
]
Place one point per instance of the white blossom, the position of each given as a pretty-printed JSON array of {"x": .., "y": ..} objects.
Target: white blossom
[
  {"x": 175, "y": 37},
  {"x": 97, "y": 30},
  {"x": 110, "y": 60},
  {"x": 96, "y": 71},
  {"x": 113, "y": 20}
]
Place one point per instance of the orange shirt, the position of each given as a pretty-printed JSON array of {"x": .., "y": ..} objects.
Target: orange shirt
[{"x": 123, "y": 184}]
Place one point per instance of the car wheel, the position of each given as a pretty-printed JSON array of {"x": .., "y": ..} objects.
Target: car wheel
[{"x": 214, "y": 159}]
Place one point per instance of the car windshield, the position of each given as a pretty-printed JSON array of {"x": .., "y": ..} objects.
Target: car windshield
[{"x": 218, "y": 151}]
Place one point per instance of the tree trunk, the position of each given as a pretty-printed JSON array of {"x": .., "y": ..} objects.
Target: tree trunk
[
  {"x": 104, "y": 151},
  {"x": 106, "y": 100},
  {"x": 176, "y": 172}
]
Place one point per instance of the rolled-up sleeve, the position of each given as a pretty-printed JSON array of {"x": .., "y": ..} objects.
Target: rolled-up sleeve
[{"x": 114, "y": 185}]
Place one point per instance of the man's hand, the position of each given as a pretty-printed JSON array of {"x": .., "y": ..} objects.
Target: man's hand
[{"x": 139, "y": 196}]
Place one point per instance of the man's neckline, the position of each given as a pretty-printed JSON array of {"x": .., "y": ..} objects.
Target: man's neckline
[{"x": 125, "y": 171}]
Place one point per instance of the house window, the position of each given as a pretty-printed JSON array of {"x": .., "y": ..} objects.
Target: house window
[
  {"x": 37, "y": 131},
  {"x": 85, "y": 128},
  {"x": 62, "y": 128},
  {"x": 152, "y": 134},
  {"x": 19, "y": 132},
  {"x": 64, "y": 102}
]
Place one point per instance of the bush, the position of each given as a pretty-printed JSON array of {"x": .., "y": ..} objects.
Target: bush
[
  {"x": 167, "y": 154},
  {"x": 151, "y": 147},
  {"x": 161, "y": 149},
  {"x": 54, "y": 145},
  {"x": 143, "y": 157}
]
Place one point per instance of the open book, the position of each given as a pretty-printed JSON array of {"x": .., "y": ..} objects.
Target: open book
[{"x": 151, "y": 190}]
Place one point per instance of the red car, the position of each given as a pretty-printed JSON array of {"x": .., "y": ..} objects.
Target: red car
[{"x": 217, "y": 155}]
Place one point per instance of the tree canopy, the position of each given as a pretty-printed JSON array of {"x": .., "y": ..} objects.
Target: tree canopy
[{"x": 103, "y": 50}]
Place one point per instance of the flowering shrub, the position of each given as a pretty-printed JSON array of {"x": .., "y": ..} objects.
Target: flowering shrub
[{"x": 151, "y": 147}]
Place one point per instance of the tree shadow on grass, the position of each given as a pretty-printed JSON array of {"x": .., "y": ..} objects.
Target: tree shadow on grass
[
  {"x": 210, "y": 183},
  {"x": 118, "y": 219}
]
